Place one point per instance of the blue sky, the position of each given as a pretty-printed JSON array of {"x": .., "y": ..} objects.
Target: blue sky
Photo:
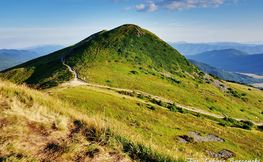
[{"x": 36, "y": 22}]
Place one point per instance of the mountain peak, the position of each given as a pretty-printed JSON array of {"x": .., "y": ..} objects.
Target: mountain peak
[{"x": 126, "y": 47}]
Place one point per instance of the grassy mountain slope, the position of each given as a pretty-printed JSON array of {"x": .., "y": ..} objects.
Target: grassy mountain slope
[
  {"x": 226, "y": 75},
  {"x": 136, "y": 126},
  {"x": 133, "y": 58},
  {"x": 128, "y": 44},
  {"x": 105, "y": 127}
]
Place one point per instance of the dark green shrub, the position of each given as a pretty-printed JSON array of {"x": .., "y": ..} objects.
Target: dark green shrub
[
  {"x": 191, "y": 140},
  {"x": 224, "y": 123},
  {"x": 153, "y": 108},
  {"x": 173, "y": 108},
  {"x": 199, "y": 115},
  {"x": 134, "y": 72},
  {"x": 154, "y": 101},
  {"x": 140, "y": 104},
  {"x": 248, "y": 123},
  {"x": 181, "y": 110},
  {"x": 212, "y": 108},
  {"x": 141, "y": 96},
  {"x": 231, "y": 120},
  {"x": 161, "y": 103},
  {"x": 244, "y": 99},
  {"x": 202, "y": 73},
  {"x": 149, "y": 97},
  {"x": 248, "y": 127}
]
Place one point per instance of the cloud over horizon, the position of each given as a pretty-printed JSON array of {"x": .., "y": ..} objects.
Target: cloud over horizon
[{"x": 178, "y": 5}]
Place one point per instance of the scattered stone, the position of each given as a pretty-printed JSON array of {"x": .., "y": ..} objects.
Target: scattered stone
[
  {"x": 134, "y": 124},
  {"x": 210, "y": 138},
  {"x": 223, "y": 154},
  {"x": 189, "y": 75},
  {"x": 186, "y": 139},
  {"x": 195, "y": 137}
]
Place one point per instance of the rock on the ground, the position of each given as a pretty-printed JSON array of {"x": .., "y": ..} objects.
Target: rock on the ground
[
  {"x": 223, "y": 154},
  {"x": 211, "y": 138}
]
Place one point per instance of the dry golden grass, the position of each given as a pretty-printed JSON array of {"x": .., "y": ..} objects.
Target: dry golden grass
[{"x": 47, "y": 129}]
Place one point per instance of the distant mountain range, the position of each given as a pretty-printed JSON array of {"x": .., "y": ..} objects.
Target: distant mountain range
[
  {"x": 232, "y": 60},
  {"x": 10, "y": 58},
  {"x": 192, "y": 49},
  {"x": 226, "y": 75},
  {"x": 44, "y": 49},
  {"x": 13, "y": 57}
]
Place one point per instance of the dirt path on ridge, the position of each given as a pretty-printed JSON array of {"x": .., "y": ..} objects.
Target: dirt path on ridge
[
  {"x": 97, "y": 87},
  {"x": 76, "y": 81}
]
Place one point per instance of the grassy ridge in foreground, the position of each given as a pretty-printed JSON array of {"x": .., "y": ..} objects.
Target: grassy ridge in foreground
[
  {"x": 35, "y": 127},
  {"x": 162, "y": 128}
]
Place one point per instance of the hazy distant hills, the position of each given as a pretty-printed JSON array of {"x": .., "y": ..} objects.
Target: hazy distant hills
[
  {"x": 13, "y": 57},
  {"x": 226, "y": 75},
  {"x": 232, "y": 60},
  {"x": 10, "y": 58},
  {"x": 193, "y": 49},
  {"x": 44, "y": 49}
]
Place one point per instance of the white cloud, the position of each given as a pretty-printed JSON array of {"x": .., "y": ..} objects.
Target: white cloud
[
  {"x": 127, "y": 8},
  {"x": 152, "y": 7},
  {"x": 187, "y": 4},
  {"x": 147, "y": 8},
  {"x": 180, "y": 5},
  {"x": 140, "y": 7}
]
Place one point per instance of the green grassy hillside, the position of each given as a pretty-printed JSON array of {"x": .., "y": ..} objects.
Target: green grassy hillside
[
  {"x": 102, "y": 126},
  {"x": 145, "y": 120},
  {"x": 127, "y": 44},
  {"x": 134, "y": 58}
]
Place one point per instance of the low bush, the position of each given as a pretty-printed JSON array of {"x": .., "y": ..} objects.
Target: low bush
[
  {"x": 248, "y": 123},
  {"x": 141, "y": 96},
  {"x": 154, "y": 101},
  {"x": 140, "y": 104},
  {"x": 212, "y": 108},
  {"x": 153, "y": 108},
  {"x": 173, "y": 108},
  {"x": 161, "y": 103}
]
